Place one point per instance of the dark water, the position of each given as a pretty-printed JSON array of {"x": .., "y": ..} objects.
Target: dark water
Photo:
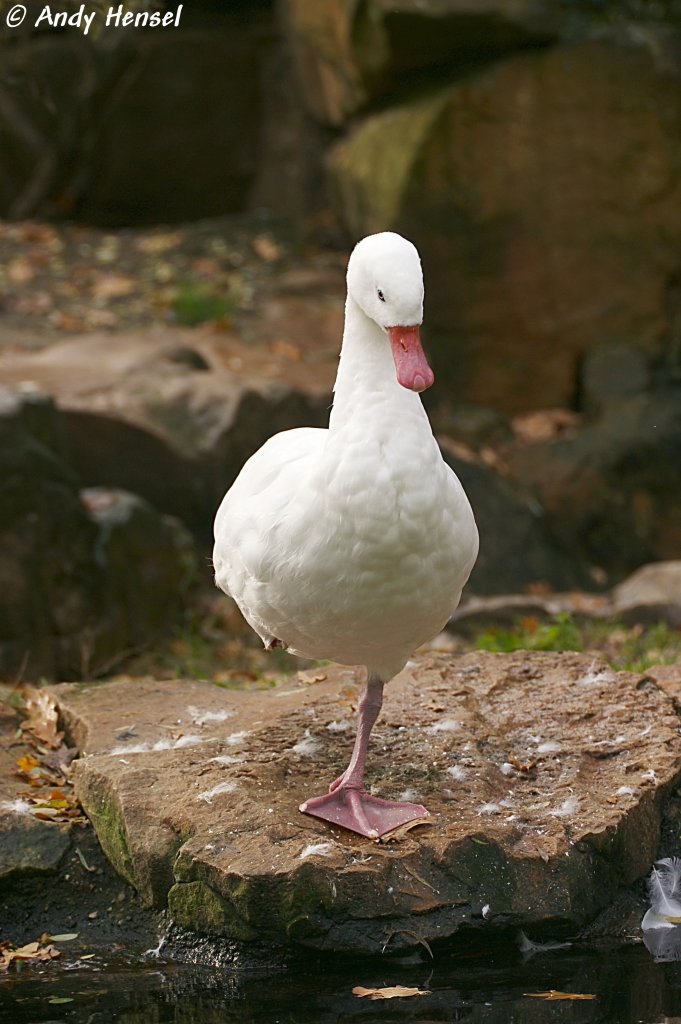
[{"x": 628, "y": 985}]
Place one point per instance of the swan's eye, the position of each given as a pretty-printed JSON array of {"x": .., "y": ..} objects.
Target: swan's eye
[{"x": 381, "y": 295}]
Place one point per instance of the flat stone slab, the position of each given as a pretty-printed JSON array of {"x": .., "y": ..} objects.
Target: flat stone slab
[{"x": 545, "y": 775}]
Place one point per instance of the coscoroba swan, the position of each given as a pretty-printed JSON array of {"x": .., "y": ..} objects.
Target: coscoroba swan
[{"x": 354, "y": 543}]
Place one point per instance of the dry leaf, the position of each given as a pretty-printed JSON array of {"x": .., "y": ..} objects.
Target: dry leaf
[
  {"x": 545, "y": 425},
  {"x": 286, "y": 349},
  {"x": 20, "y": 271},
  {"x": 68, "y": 322},
  {"x": 266, "y": 248},
  {"x": 155, "y": 244},
  {"x": 31, "y": 951},
  {"x": 552, "y": 995},
  {"x": 113, "y": 286},
  {"x": 312, "y": 676},
  {"x": 60, "y": 759},
  {"x": 42, "y": 717},
  {"x": 392, "y": 992},
  {"x": 400, "y": 832}
]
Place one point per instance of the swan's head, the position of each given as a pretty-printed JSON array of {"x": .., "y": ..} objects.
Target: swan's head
[{"x": 386, "y": 282}]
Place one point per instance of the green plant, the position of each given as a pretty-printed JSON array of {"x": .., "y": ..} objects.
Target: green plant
[
  {"x": 197, "y": 303},
  {"x": 562, "y": 634}
]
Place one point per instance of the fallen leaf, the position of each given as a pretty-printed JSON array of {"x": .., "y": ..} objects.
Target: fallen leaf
[
  {"x": 155, "y": 244},
  {"x": 57, "y": 1000},
  {"x": 27, "y": 763},
  {"x": 28, "y": 950},
  {"x": 391, "y": 992},
  {"x": 113, "y": 286},
  {"x": 279, "y": 347},
  {"x": 69, "y": 322},
  {"x": 31, "y": 951},
  {"x": 67, "y": 937},
  {"x": 545, "y": 425},
  {"x": 41, "y": 233},
  {"x": 19, "y": 271},
  {"x": 81, "y": 858},
  {"x": 552, "y": 995},
  {"x": 266, "y": 248},
  {"x": 312, "y": 676},
  {"x": 61, "y": 758},
  {"x": 42, "y": 717},
  {"x": 400, "y": 832}
]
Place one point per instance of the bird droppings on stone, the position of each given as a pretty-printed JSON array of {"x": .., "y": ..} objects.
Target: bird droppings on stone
[
  {"x": 209, "y": 795},
  {"x": 253, "y": 883}
]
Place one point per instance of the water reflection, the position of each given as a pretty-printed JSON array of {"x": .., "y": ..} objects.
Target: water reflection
[
  {"x": 629, "y": 986},
  {"x": 664, "y": 943}
]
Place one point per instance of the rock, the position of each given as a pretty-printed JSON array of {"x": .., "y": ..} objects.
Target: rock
[
  {"x": 473, "y": 425},
  {"x": 137, "y": 418},
  {"x": 545, "y": 775},
  {"x": 55, "y": 72},
  {"x": 172, "y": 415},
  {"x": 201, "y": 158},
  {"x": 612, "y": 492},
  {"x": 86, "y": 575},
  {"x": 517, "y": 543},
  {"x": 28, "y": 846},
  {"x": 480, "y": 613},
  {"x": 668, "y": 678},
  {"x": 98, "y": 160},
  {"x": 349, "y": 55},
  {"x": 319, "y": 37},
  {"x": 533, "y": 256},
  {"x": 652, "y": 594},
  {"x": 612, "y": 373}
]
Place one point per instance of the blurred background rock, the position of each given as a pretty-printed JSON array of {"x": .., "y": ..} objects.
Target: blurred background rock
[{"x": 178, "y": 205}]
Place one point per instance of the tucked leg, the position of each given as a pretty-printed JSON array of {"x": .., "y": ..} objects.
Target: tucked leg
[{"x": 347, "y": 803}]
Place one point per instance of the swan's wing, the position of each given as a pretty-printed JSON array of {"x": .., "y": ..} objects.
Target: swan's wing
[{"x": 260, "y": 497}]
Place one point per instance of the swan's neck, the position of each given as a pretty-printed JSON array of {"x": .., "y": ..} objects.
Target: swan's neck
[{"x": 366, "y": 383}]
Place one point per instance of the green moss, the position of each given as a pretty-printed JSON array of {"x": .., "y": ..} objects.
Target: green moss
[
  {"x": 369, "y": 184},
  {"x": 109, "y": 824},
  {"x": 196, "y": 906}
]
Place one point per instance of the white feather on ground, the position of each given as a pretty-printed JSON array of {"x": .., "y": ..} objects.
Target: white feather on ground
[{"x": 664, "y": 891}]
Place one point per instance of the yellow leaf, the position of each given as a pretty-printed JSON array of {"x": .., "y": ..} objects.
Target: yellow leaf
[
  {"x": 552, "y": 995},
  {"x": 113, "y": 286},
  {"x": 27, "y": 763},
  {"x": 392, "y": 992}
]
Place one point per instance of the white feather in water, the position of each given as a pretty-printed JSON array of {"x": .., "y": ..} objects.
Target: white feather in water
[{"x": 664, "y": 890}]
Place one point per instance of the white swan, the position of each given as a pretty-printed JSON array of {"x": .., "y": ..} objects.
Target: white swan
[{"x": 354, "y": 543}]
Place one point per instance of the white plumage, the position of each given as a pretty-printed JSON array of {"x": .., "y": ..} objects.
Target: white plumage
[
  {"x": 664, "y": 889},
  {"x": 353, "y": 543}
]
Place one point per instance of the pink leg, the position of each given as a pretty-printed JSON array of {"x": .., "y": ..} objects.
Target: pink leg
[{"x": 347, "y": 802}]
